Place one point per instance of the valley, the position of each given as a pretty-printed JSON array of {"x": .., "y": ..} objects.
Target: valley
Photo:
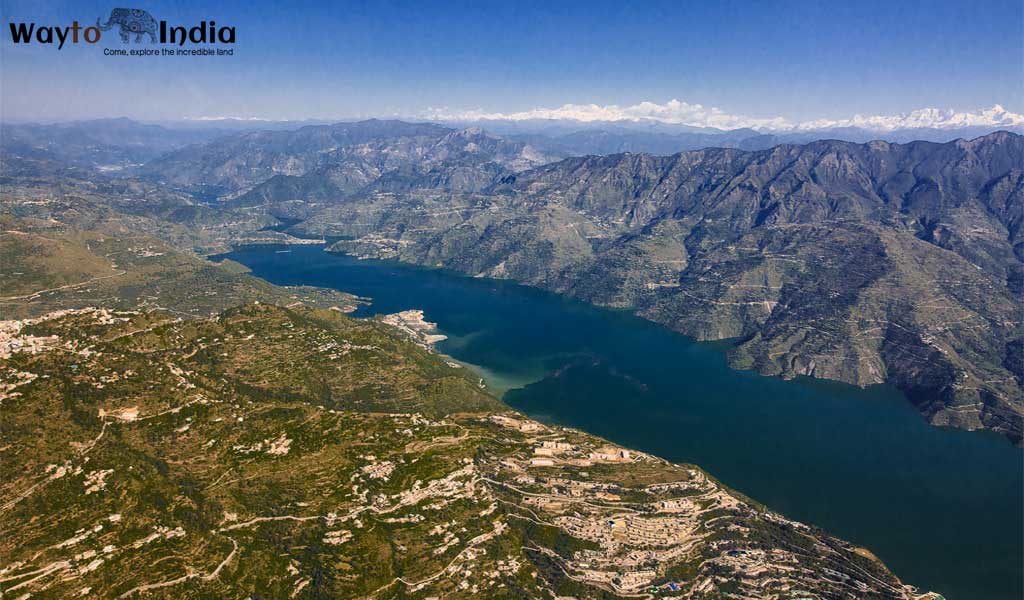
[
  {"x": 862, "y": 263},
  {"x": 893, "y": 268},
  {"x": 512, "y": 300}
]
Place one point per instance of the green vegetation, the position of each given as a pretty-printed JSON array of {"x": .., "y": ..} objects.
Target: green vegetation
[{"x": 146, "y": 455}]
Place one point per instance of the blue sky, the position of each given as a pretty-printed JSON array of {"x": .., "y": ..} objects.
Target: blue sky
[{"x": 792, "y": 60}]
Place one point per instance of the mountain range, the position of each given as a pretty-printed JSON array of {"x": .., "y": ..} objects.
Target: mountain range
[
  {"x": 121, "y": 142},
  {"x": 866, "y": 263}
]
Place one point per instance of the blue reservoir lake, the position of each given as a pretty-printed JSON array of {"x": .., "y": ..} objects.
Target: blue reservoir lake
[{"x": 943, "y": 508}]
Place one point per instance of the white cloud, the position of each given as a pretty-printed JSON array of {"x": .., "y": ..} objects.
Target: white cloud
[
  {"x": 698, "y": 115},
  {"x": 997, "y": 116}
]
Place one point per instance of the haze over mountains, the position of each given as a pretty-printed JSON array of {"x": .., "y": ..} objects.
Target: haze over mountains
[
  {"x": 123, "y": 141},
  {"x": 860, "y": 262}
]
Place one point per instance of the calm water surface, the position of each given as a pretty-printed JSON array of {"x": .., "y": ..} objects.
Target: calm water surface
[{"x": 943, "y": 508}]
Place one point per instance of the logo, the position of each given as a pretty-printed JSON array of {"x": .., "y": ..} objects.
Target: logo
[{"x": 129, "y": 22}]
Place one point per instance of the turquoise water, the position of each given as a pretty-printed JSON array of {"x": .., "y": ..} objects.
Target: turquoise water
[{"x": 943, "y": 508}]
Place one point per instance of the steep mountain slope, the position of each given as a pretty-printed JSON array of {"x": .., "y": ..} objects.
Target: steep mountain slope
[{"x": 862, "y": 263}]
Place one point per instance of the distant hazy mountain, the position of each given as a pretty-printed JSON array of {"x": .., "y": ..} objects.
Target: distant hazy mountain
[
  {"x": 113, "y": 144},
  {"x": 108, "y": 143},
  {"x": 332, "y": 161},
  {"x": 900, "y": 136},
  {"x": 616, "y": 140},
  {"x": 578, "y": 138},
  {"x": 236, "y": 125}
]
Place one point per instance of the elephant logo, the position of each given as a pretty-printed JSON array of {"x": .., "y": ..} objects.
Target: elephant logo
[{"x": 131, "y": 20}]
